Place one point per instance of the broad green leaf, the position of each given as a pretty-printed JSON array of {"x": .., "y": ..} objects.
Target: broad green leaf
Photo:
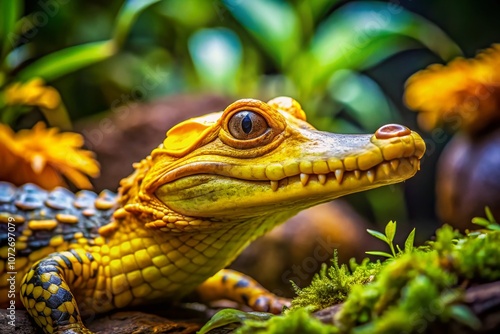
[
  {"x": 378, "y": 253},
  {"x": 11, "y": 11},
  {"x": 201, "y": 12},
  {"x": 126, "y": 18},
  {"x": 216, "y": 55},
  {"x": 372, "y": 54},
  {"x": 363, "y": 98},
  {"x": 378, "y": 235},
  {"x": 345, "y": 39},
  {"x": 390, "y": 231},
  {"x": 273, "y": 23},
  {"x": 319, "y": 7},
  {"x": 67, "y": 60},
  {"x": 230, "y": 316},
  {"x": 409, "y": 241},
  {"x": 376, "y": 51},
  {"x": 310, "y": 12}
]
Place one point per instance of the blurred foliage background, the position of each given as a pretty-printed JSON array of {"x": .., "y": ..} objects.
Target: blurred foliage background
[{"x": 345, "y": 61}]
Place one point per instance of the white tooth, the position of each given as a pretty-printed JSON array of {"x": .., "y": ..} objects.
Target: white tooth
[
  {"x": 304, "y": 178},
  {"x": 357, "y": 174},
  {"x": 370, "y": 175},
  {"x": 339, "y": 175},
  {"x": 386, "y": 169},
  {"x": 394, "y": 164},
  {"x": 274, "y": 185},
  {"x": 322, "y": 178}
]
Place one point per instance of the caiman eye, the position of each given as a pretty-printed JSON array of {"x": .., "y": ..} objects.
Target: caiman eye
[{"x": 247, "y": 125}]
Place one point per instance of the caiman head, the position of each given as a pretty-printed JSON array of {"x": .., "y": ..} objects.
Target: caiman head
[{"x": 258, "y": 160}]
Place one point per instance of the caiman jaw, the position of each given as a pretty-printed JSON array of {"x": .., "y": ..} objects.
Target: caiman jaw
[{"x": 296, "y": 167}]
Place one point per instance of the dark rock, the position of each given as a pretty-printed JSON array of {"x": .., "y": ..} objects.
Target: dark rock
[{"x": 468, "y": 179}]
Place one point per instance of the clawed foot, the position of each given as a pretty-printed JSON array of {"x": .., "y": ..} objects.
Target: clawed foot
[{"x": 270, "y": 303}]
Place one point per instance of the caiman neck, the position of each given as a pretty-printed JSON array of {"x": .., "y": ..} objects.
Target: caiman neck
[{"x": 130, "y": 186}]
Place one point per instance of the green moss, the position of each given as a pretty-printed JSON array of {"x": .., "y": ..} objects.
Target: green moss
[
  {"x": 407, "y": 294},
  {"x": 475, "y": 257},
  {"x": 333, "y": 284}
]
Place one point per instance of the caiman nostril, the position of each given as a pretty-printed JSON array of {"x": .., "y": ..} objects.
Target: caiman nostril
[{"x": 392, "y": 130}]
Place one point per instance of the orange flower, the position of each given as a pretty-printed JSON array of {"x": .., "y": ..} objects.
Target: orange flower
[
  {"x": 465, "y": 93},
  {"x": 43, "y": 156}
]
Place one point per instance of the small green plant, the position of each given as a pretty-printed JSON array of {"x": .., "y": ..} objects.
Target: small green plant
[
  {"x": 388, "y": 238},
  {"x": 489, "y": 222}
]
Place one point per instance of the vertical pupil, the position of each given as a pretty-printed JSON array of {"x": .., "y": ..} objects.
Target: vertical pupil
[{"x": 246, "y": 124}]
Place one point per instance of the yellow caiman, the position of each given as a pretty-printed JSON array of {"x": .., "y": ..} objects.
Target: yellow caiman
[{"x": 216, "y": 183}]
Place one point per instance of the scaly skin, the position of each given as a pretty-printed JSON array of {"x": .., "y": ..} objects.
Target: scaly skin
[{"x": 215, "y": 184}]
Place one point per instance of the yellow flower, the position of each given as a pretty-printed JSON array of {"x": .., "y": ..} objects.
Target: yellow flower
[
  {"x": 33, "y": 93},
  {"x": 465, "y": 93},
  {"x": 43, "y": 156}
]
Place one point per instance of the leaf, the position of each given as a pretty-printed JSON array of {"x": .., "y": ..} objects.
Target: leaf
[
  {"x": 463, "y": 314},
  {"x": 320, "y": 7},
  {"x": 480, "y": 221},
  {"x": 126, "y": 17},
  {"x": 363, "y": 98},
  {"x": 230, "y": 316},
  {"x": 217, "y": 55},
  {"x": 201, "y": 12},
  {"x": 67, "y": 60},
  {"x": 11, "y": 12},
  {"x": 494, "y": 227},
  {"x": 378, "y": 253},
  {"x": 409, "y": 241},
  {"x": 274, "y": 24},
  {"x": 356, "y": 30},
  {"x": 390, "y": 231},
  {"x": 489, "y": 215},
  {"x": 310, "y": 13},
  {"x": 378, "y": 235}
]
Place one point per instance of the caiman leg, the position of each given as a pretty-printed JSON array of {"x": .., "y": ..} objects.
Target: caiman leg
[
  {"x": 232, "y": 285},
  {"x": 46, "y": 293}
]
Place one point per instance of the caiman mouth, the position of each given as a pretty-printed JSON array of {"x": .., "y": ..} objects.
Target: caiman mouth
[
  {"x": 281, "y": 175},
  {"x": 402, "y": 168}
]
